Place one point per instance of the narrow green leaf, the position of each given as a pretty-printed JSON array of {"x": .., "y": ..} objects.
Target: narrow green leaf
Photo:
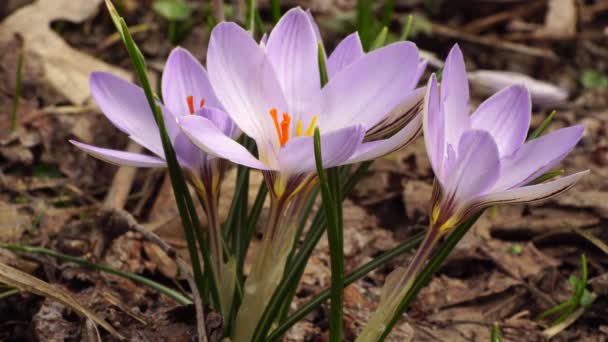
[
  {"x": 547, "y": 176},
  {"x": 543, "y": 126},
  {"x": 389, "y": 7},
  {"x": 357, "y": 274},
  {"x": 172, "y": 10},
  {"x": 365, "y": 22},
  {"x": 178, "y": 297},
  {"x": 276, "y": 10},
  {"x": 431, "y": 267},
  {"x": 252, "y": 15},
  {"x": 322, "y": 65},
  {"x": 408, "y": 28},
  {"x": 380, "y": 39},
  {"x": 16, "y": 99},
  {"x": 334, "y": 234},
  {"x": 190, "y": 221},
  {"x": 496, "y": 336}
]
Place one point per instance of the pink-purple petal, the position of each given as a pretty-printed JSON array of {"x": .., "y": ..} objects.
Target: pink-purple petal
[
  {"x": 537, "y": 156},
  {"x": 347, "y": 51},
  {"x": 368, "y": 89},
  {"x": 292, "y": 50},
  {"x": 506, "y": 115},
  {"x": 433, "y": 125},
  {"x": 379, "y": 148},
  {"x": 244, "y": 81},
  {"x": 184, "y": 76},
  {"x": 126, "y": 106},
  {"x": 531, "y": 192},
  {"x": 475, "y": 169},
  {"x": 297, "y": 156},
  {"x": 455, "y": 96},
  {"x": 120, "y": 158},
  {"x": 203, "y": 133}
]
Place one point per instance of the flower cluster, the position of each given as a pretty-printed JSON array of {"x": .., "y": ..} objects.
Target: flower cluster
[{"x": 274, "y": 93}]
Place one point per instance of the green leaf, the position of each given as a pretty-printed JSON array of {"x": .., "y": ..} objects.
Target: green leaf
[
  {"x": 496, "y": 336},
  {"x": 322, "y": 65},
  {"x": 516, "y": 248},
  {"x": 46, "y": 171},
  {"x": 380, "y": 39},
  {"x": 172, "y": 10},
  {"x": 587, "y": 299},
  {"x": 593, "y": 79},
  {"x": 543, "y": 126},
  {"x": 17, "y": 90},
  {"x": 573, "y": 280},
  {"x": 331, "y": 203}
]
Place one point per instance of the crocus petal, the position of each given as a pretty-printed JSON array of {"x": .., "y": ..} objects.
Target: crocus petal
[
  {"x": 399, "y": 117},
  {"x": 292, "y": 50},
  {"x": 375, "y": 149},
  {"x": 126, "y": 106},
  {"x": 314, "y": 25},
  {"x": 369, "y": 88},
  {"x": 420, "y": 69},
  {"x": 433, "y": 127},
  {"x": 221, "y": 120},
  {"x": 347, "y": 51},
  {"x": 455, "y": 96},
  {"x": 530, "y": 193},
  {"x": 121, "y": 158},
  {"x": 537, "y": 156},
  {"x": 244, "y": 82},
  {"x": 475, "y": 169},
  {"x": 297, "y": 156},
  {"x": 184, "y": 76},
  {"x": 506, "y": 115},
  {"x": 203, "y": 133}
]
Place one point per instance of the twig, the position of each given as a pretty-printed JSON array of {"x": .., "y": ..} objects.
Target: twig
[
  {"x": 122, "y": 181},
  {"x": 447, "y": 31},
  {"x": 482, "y": 24},
  {"x": 183, "y": 267}
]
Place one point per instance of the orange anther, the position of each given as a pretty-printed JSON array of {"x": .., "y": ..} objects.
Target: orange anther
[
  {"x": 202, "y": 103},
  {"x": 285, "y": 129},
  {"x": 275, "y": 119},
  {"x": 190, "y": 101}
]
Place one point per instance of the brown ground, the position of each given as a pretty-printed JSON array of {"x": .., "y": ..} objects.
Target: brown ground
[{"x": 514, "y": 264}]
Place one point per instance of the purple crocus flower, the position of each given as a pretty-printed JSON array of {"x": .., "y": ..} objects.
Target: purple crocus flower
[
  {"x": 483, "y": 159},
  {"x": 479, "y": 160},
  {"x": 273, "y": 93},
  {"x": 187, "y": 92}
]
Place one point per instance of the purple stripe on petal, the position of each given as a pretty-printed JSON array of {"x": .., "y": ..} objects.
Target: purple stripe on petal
[
  {"x": 347, "y": 51},
  {"x": 292, "y": 50},
  {"x": 537, "y": 156},
  {"x": 379, "y": 148},
  {"x": 121, "y": 158},
  {"x": 297, "y": 156},
  {"x": 475, "y": 169},
  {"x": 530, "y": 193},
  {"x": 203, "y": 133},
  {"x": 184, "y": 76},
  {"x": 506, "y": 115}
]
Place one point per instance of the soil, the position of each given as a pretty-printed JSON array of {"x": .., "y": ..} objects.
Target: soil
[{"x": 513, "y": 265}]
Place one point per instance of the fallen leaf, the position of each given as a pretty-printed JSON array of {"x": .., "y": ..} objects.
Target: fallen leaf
[
  {"x": 67, "y": 70},
  {"x": 25, "y": 282}
]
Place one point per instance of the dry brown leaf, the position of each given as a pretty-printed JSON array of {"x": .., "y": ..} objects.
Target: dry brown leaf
[
  {"x": 65, "y": 69},
  {"x": 561, "y": 18},
  {"x": 25, "y": 282}
]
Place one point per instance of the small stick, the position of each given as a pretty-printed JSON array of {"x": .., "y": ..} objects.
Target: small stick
[
  {"x": 122, "y": 181},
  {"x": 183, "y": 267}
]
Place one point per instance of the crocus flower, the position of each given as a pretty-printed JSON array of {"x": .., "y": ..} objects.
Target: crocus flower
[
  {"x": 187, "y": 92},
  {"x": 483, "y": 159},
  {"x": 478, "y": 160},
  {"x": 273, "y": 93}
]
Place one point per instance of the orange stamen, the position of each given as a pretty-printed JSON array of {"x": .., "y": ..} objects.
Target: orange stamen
[
  {"x": 190, "y": 101},
  {"x": 202, "y": 103},
  {"x": 285, "y": 128},
  {"x": 275, "y": 119}
]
